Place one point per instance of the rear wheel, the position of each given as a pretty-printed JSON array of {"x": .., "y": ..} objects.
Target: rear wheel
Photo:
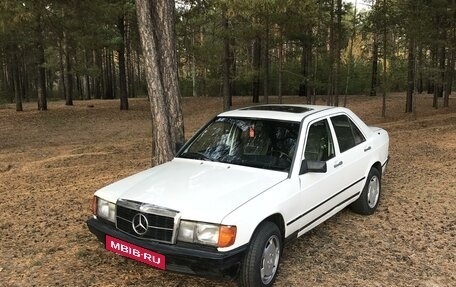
[
  {"x": 261, "y": 262},
  {"x": 370, "y": 196}
]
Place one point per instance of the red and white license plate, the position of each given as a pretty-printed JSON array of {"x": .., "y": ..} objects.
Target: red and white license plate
[{"x": 135, "y": 252}]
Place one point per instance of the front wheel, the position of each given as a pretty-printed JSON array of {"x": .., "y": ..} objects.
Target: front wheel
[
  {"x": 367, "y": 202},
  {"x": 261, "y": 262}
]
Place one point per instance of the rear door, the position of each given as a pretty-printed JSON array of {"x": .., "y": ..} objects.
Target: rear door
[{"x": 353, "y": 151}]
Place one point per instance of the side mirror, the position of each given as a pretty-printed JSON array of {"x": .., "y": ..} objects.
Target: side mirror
[{"x": 312, "y": 166}]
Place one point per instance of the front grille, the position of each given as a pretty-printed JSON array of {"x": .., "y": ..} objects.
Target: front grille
[{"x": 162, "y": 223}]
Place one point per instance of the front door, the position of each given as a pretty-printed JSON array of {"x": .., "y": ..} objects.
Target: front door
[{"x": 318, "y": 190}]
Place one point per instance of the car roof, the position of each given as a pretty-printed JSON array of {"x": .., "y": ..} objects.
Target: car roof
[{"x": 285, "y": 112}]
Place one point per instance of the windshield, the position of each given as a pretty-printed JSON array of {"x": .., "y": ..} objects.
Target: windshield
[{"x": 257, "y": 143}]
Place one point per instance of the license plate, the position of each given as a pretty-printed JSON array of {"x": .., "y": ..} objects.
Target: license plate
[{"x": 135, "y": 252}]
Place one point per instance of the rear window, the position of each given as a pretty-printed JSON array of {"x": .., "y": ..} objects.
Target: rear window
[{"x": 347, "y": 133}]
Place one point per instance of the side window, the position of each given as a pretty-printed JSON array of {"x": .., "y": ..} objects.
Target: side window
[
  {"x": 319, "y": 145},
  {"x": 347, "y": 133}
]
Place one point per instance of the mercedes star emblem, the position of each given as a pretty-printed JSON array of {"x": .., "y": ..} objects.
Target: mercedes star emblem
[{"x": 140, "y": 224}]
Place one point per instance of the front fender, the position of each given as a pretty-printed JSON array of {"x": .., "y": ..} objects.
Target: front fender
[{"x": 272, "y": 202}]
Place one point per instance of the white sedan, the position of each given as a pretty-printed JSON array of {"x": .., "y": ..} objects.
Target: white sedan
[{"x": 246, "y": 183}]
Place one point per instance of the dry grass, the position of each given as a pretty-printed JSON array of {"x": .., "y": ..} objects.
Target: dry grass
[{"x": 52, "y": 162}]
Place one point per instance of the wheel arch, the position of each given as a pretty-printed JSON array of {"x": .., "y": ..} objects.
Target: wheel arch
[
  {"x": 275, "y": 218},
  {"x": 378, "y": 166}
]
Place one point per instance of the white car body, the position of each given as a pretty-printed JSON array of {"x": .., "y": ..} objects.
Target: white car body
[{"x": 242, "y": 196}]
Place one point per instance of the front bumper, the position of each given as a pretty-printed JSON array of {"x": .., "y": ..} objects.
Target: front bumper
[{"x": 183, "y": 258}]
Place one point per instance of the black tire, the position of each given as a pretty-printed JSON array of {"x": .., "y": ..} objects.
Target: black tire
[
  {"x": 267, "y": 235},
  {"x": 368, "y": 201}
]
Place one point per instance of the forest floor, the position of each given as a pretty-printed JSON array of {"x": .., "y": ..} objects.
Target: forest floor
[{"x": 52, "y": 162}]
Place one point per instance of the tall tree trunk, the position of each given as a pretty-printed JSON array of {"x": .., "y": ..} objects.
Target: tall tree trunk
[
  {"x": 442, "y": 68},
  {"x": 131, "y": 76},
  {"x": 439, "y": 85},
  {"x": 62, "y": 71},
  {"x": 374, "y": 74},
  {"x": 98, "y": 79},
  {"x": 79, "y": 87},
  {"x": 42, "y": 93},
  {"x": 280, "y": 57},
  {"x": 139, "y": 71},
  {"x": 310, "y": 81},
  {"x": 443, "y": 22},
  {"x": 306, "y": 65},
  {"x": 25, "y": 85},
  {"x": 375, "y": 46},
  {"x": 8, "y": 79},
  {"x": 156, "y": 29},
  {"x": 266, "y": 63},
  {"x": 109, "y": 91},
  {"x": 338, "y": 48},
  {"x": 314, "y": 80},
  {"x": 420, "y": 87},
  {"x": 330, "y": 93},
  {"x": 4, "y": 84},
  {"x": 193, "y": 62},
  {"x": 449, "y": 79},
  {"x": 49, "y": 81},
  {"x": 438, "y": 89},
  {"x": 350, "y": 54},
  {"x": 113, "y": 74},
  {"x": 451, "y": 64},
  {"x": 433, "y": 65},
  {"x": 410, "y": 75},
  {"x": 316, "y": 59},
  {"x": 16, "y": 81},
  {"x": 170, "y": 69},
  {"x": 128, "y": 57},
  {"x": 385, "y": 78},
  {"x": 233, "y": 69},
  {"x": 256, "y": 58},
  {"x": 122, "y": 74},
  {"x": 302, "y": 92},
  {"x": 226, "y": 61},
  {"x": 68, "y": 76},
  {"x": 88, "y": 78}
]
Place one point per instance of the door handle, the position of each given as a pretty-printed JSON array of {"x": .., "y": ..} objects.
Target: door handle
[
  {"x": 338, "y": 164},
  {"x": 367, "y": 148}
]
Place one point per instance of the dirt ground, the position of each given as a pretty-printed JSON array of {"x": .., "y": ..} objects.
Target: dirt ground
[{"x": 52, "y": 162}]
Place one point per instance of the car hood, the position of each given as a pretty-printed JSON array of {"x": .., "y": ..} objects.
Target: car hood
[{"x": 199, "y": 190}]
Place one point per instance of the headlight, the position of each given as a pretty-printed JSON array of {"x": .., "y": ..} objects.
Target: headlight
[
  {"x": 105, "y": 209},
  {"x": 207, "y": 233}
]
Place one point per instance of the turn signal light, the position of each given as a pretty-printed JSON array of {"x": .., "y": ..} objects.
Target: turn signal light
[{"x": 227, "y": 235}]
